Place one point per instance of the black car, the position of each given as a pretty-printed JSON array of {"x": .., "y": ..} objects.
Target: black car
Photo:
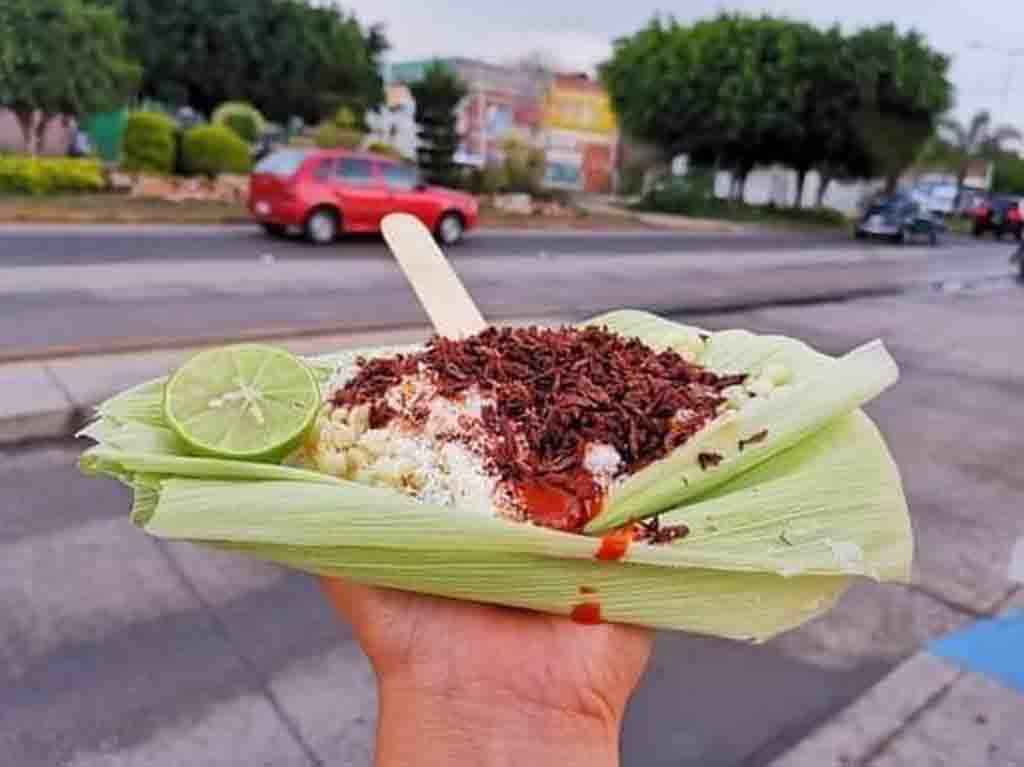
[
  {"x": 898, "y": 218},
  {"x": 1000, "y": 215}
]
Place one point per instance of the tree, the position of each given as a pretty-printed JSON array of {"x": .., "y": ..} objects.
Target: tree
[
  {"x": 1008, "y": 177},
  {"x": 286, "y": 57},
  {"x": 60, "y": 58},
  {"x": 721, "y": 89},
  {"x": 437, "y": 97},
  {"x": 743, "y": 91},
  {"x": 973, "y": 140},
  {"x": 902, "y": 89}
]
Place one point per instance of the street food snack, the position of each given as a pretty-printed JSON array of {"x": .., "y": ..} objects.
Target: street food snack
[{"x": 629, "y": 469}]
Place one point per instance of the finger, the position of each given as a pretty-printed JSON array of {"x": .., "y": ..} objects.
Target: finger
[{"x": 350, "y": 600}]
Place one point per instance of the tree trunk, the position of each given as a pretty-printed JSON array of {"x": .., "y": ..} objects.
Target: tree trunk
[
  {"x": 26, "y": 120},
  {"x": 41, "y": 125},
  {"x": 826, "y": 180},
  {"x": 801, "y": 178},
  {"x": 960, "y": 178},
  {"x": 740, "y": 182}
]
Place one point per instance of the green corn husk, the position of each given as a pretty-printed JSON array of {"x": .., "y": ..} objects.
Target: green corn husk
[{"x": 776, "y": 529}]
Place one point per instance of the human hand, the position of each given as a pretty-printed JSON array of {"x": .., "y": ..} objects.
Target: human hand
[{"x": 463, "y": 683}]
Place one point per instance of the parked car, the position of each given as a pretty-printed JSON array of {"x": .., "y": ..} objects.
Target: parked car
[
  {"x": 898, "y": 218},
  {"x": 999, "y": 215},
  {"x": 325, "y": 193}
]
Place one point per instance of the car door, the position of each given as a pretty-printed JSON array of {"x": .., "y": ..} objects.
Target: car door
[
  {"x": 360, "y": 194},
  {"x": 407, "y": 192}
]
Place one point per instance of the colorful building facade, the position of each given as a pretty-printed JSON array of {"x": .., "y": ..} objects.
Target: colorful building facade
[{"x": 569, "y": 116}]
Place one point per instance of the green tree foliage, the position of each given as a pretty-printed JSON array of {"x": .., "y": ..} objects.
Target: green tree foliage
[
  {"x": 243, "y": 118},
  {"x": 974, "y": 140},
  {"x": 286, "y": 57},
  {"x": 437, "y": 96},
  {"x": 739, "y": 91},
  {"x": 1008, "y": 177},
  {"x": 902, "y": 90},
  {"x": 523, "y": 166},
  {"x": 210, "y": 150},
  {"x": 61, "y": 57},
  {"x": 148, "y": 145}
]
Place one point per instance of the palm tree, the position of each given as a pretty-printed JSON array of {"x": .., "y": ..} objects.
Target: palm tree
[{"x": 974, "y": 139}]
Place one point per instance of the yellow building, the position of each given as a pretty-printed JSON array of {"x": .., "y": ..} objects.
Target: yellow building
[{"x": 580, "y": 135}]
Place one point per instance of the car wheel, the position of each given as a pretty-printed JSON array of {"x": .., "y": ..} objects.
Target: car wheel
[
  {"x": 998, "y": 234},
  {"x": 275, "y": 230},
  {"x": 1019, "y": 234},
  {"x": 322, "y": 226},
  {"x": 976, "y": 231},
  {"x": 933, "y": 238},
  {"x": 450, "y": 229},
  {"x": 900, "y": 237},
  {"x": 860, "y": 235}
]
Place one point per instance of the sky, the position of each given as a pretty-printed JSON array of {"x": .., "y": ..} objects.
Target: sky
[{"x": 578, "y": 33}]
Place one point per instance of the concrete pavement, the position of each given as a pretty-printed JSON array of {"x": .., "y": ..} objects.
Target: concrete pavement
[{"x": 167, "y": 655}]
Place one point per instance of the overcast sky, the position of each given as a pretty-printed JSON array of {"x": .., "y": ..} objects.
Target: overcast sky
[{"x": 579, "y": 32}]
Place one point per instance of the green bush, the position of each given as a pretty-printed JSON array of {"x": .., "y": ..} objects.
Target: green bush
[
  {"x": 49, "y": 175},
  {"x": 148, "y": 144},
  {"x": 330, "y": 136},
  {"x": 210, "y": 150},
  {"x": 524, "y": 166},
  {"x": 379, "y": 147},
  {"x": 243, "y": 118}
]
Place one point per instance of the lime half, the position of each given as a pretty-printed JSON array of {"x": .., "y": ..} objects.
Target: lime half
[{"x": 247, "y": 402}]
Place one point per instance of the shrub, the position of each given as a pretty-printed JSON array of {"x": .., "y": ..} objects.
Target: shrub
[
  {"x": 379, "y": 147},
  {"x": 523, "y": 167},
  {"x": 210, "y": 150},
  {"x": 49, "y": 175},
  {"x": 330, "y": 136},
  {"x": 243, "y": 118},
  {"x": 148, "y": 143}
]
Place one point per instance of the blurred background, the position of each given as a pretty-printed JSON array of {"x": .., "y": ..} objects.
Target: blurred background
[{"x": 179, "y": 175}]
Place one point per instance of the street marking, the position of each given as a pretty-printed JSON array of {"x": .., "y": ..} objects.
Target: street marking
[{"x": 992, "y": 647}]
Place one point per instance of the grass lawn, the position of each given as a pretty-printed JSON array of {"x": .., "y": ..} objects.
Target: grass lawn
[{"x": 121, "y": 209}]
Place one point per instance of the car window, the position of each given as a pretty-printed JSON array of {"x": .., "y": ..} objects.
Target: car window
[
  {"x": 323, "y": 170},
  {"x": 283, "y": 163},
  {"x": 399, "y": 176},
  {"x": 355, "y": 171}
]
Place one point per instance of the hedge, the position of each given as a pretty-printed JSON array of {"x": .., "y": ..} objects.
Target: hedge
[
  {"x": 210, "y": 150},
  {"x": 243, "y": 118},
  {"x": 49, "y": 175},
  {"x": 330, "y": 136},
  {"x": 148, "y": 143}
]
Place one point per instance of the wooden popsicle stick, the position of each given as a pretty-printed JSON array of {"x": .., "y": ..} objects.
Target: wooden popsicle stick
[{"x": 439, "y": 289}]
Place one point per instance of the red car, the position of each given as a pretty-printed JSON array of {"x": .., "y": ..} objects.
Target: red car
[
  {"x": 999, "y": 215},
  {"x": 328, "y": 192}
]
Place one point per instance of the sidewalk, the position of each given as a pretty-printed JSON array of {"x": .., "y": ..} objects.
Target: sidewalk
[
  {"x": 959, "y": 703},
  {"x": 604, "y": 207},
  {"x": 54, "y": 398}
]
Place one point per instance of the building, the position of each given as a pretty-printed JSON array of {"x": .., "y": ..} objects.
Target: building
[
  {"x": 394, "y": 123},
  {"x": 580, "y": 134},
  {"x": 569, "y": 116}
]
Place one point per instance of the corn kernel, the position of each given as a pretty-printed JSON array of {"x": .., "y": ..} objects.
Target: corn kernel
[
  {"x": 333, "y": 463},
  {"x": 376, "y": 441},
  {"x": 343, "y": 437},
  {"x": 339, "y": 416},
  {"x": 359, "y": 458},
  {"x": 359, "y": 419}
]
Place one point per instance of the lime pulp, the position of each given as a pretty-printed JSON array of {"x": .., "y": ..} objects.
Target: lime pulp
[{"x": 249, "y": 402}]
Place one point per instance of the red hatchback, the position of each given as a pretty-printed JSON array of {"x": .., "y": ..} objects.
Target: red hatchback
[{"x": 327, "y": 192}]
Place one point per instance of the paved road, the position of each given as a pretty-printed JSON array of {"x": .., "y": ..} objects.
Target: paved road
[
  {"x": 157, "y": 291},
  {"x": 119, "y": 650},
  {"x": 31, "y": 245}
]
